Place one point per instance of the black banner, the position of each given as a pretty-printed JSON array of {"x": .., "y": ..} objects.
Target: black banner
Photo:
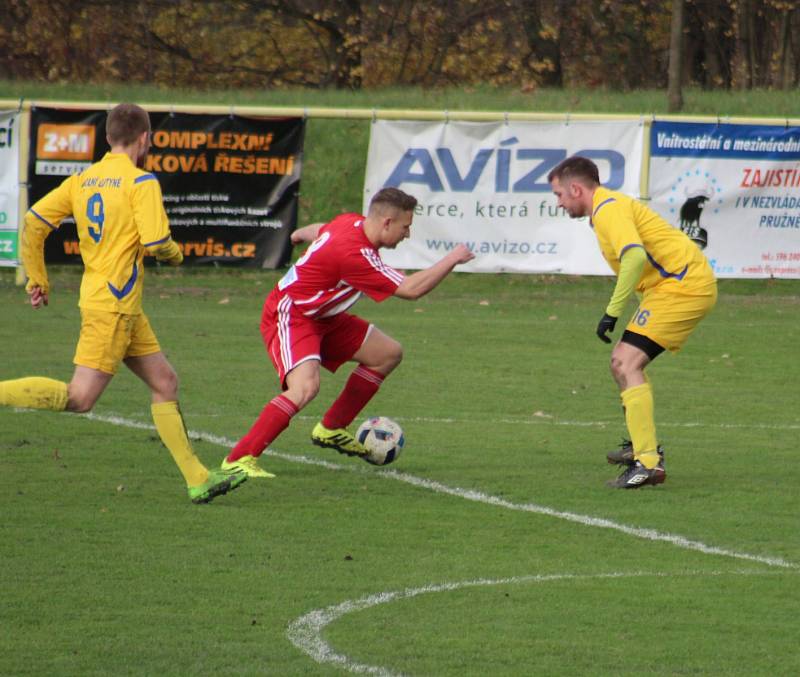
[{"x": 230, "y": 183}]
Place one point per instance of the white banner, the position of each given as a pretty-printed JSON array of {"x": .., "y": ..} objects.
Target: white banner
[
  {"x": 9, "y": 187},
  {"x": 735, "y": 189},
  {"x": 485, "y": 185}
]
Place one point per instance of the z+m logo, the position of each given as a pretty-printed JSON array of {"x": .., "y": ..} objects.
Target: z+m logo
[
  {"x": 516, "y": 170},
  {"x": 65, "y": 142}
]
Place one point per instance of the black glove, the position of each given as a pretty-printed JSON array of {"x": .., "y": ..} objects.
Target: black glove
[{"x": 607, "y": 324}]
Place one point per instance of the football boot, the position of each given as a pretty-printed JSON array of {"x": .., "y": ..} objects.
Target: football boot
[
  {"x": 636, "y": 475},
  {"x": 248, "y": 465},
  {"x": 219, "y": 482},
  {"x": 339, "y": 439}
]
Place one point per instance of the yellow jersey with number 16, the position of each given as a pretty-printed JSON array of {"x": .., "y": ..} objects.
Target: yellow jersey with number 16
[{"x": 118, "y": 210}]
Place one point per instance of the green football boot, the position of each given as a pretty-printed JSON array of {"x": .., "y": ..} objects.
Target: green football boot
[{"x": 219, "y": 482}]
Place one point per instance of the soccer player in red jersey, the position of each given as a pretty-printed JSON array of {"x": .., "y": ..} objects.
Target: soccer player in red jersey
[{"x": 304, "y": 323}]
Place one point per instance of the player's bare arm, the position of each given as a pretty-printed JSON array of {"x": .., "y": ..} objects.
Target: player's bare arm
[
  {"x": 420, "y": 283},
  {"x": 306, "y": 233}
]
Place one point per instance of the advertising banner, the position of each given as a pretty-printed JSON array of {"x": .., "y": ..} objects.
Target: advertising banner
[
  {"x": 735, "y": 190},
  {"x": 485, "y": 185},
  {"x": 9, "y": 187},
  {"x": 230, "y": 183}
]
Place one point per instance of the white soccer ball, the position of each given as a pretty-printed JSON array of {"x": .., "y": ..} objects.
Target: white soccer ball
[{"x": 383, "y": 439}]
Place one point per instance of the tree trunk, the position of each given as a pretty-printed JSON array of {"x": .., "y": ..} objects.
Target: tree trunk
[
  {"x": 675, "y": 82},
  {"x": 744, "y": 68},
  {"x": 715, "y": 24},
  {"x": 541, "y": 47},
  {"x": 783, "y": 51}
]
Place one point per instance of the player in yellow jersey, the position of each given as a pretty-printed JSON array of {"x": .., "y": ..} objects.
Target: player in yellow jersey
[
  {"x": 119, "y": 214},
  {"x": 677, "y": 288}
]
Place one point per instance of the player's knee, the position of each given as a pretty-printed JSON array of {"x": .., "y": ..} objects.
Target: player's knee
[
  {"x": 394, "y": 355},
  {"x": 310, "y": 391},
  {"x": 79, "y": 402},
  {"x": 171, "y": 382},
  {"x": 618, "y": 369},
  {"x": 166, "y": 385},
  {"x": 302, "y": 393}
]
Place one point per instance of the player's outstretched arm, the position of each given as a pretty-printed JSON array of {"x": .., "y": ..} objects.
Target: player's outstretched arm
[
  {"x": 420, "y": 283},
  {"x": 306, "y": 233}
]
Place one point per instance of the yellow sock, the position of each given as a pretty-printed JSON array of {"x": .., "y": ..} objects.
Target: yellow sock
[
  {"x": 650, "y": 459},
  {"x": 638, "y": 405},
  {"x": 34, "y": 392},
  {"x": 172, "y": 431}
]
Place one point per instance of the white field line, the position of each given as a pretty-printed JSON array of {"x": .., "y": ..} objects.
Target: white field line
[
  {"x": 550, "y": 420},
  {"x": 305, "y": 632},
  {"x": 479, "y": 497},
  {"x": 547, "y": 419}
]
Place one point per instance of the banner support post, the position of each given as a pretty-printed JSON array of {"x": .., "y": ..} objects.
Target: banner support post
[
  {"x": 20, "y": 277},
  {"x": 644, "y": 174}
]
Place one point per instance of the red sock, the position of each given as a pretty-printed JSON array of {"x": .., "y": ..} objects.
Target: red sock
[
  {"x": 272, "y": 421},
  {"x": 359, "y": 389}
]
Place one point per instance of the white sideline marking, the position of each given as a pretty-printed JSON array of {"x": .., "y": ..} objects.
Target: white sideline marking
[
  {"x": 548, "y": 419},
  {"x": 478, "y": 497},
  {"x": 551, "y": 420},
  {"x": 305, "y": 632}
]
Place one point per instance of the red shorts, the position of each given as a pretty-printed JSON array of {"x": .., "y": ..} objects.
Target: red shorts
[{"x": 292, "y": 338}]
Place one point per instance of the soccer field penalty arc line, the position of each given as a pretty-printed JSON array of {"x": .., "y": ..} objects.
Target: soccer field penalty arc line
[
  {"x": 476, "y": 496},
  {"x": 305, "y": 632}
]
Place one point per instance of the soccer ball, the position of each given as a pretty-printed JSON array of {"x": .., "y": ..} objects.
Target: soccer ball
[{"x": 383, "y": 439}]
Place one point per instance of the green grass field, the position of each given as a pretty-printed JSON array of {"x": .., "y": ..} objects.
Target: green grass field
[{"x": 492, "y": 547}]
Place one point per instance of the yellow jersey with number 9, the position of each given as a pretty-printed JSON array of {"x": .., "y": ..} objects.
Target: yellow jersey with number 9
[{"x": 118, "y": 210}]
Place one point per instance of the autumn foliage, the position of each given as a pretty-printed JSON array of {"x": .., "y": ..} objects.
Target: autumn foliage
[{"x": 351, "y": 44}]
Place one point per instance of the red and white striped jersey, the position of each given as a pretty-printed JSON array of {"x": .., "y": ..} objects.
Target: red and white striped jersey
[{"x": 337, "y": 268}]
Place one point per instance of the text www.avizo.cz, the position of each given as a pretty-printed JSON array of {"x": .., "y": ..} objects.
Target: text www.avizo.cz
[{"x": 497, "y": 246}]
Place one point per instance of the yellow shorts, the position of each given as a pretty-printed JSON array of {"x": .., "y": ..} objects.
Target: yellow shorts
[
  {"x": 108, "y": 338},
  {"x": 669, "y": 317}
]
